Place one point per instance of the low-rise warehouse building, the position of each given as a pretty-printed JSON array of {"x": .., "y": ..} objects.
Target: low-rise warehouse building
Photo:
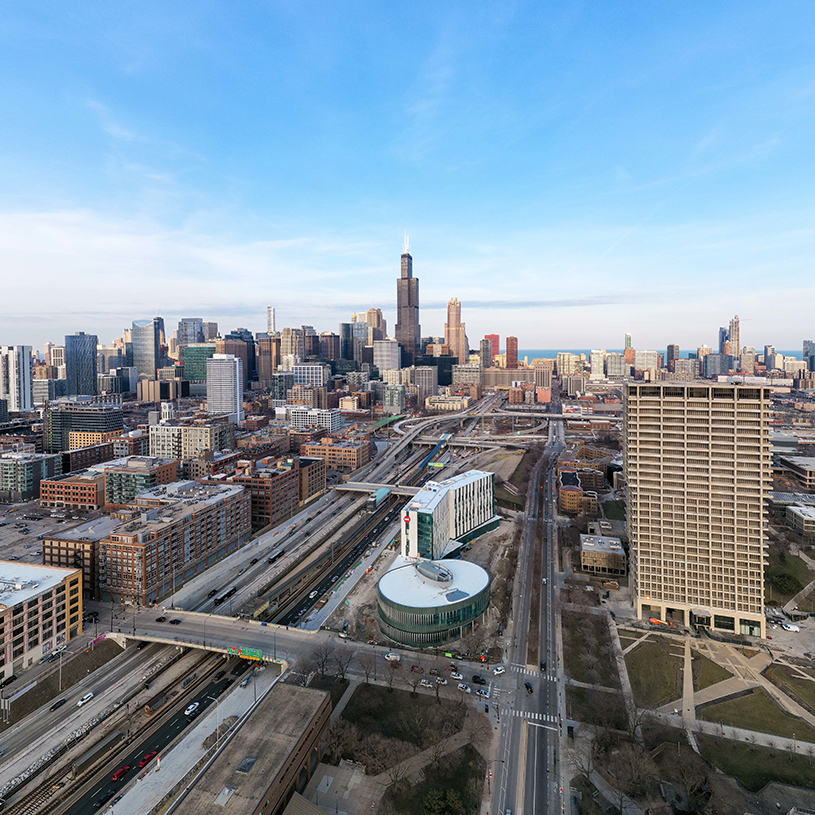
[{"x": 602, "y": 555}]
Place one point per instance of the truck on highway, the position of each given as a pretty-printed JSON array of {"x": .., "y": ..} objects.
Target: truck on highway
[{"x": 375, "y": 499}]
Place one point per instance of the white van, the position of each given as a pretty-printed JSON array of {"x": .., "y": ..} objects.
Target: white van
[{"x": 84, "y": 700}]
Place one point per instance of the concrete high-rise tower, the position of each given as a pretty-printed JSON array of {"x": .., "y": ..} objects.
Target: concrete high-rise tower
[
  {"x": 485, "y": 352},
  {"x": 270, "y": 321},
  {"x": 512, "y": 352},
  {"x": 699, "y": 470},
  {"x": 454, "y": 332},
  {"x": 15, "y": 377},
  {"x": 408, "y": 330},
  {"x": 225, "y": 386},
  {"x": 735, "y": 336}
]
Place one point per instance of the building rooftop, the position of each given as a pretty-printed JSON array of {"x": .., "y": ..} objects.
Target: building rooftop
[
  {"x": 792, "y": 498},
  {"x": 429, "y": 584},
  {"x": 80, "y": 476},
  {"x": 598, "y": 543},
  {"x": 804, "y": 462},
  {"x": 240, "y": 776},
  {"x": 136, "y": 463},
  {"x": 807, "y": 512},
  {"x": 94, "y": 530},
  {"x": 20, "y": 582},
  {"x": 429, "y": 496}
]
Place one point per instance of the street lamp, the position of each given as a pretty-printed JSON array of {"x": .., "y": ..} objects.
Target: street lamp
[{"x": 217, "y": 711}]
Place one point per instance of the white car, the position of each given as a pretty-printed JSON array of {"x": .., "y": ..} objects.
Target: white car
[
  {"x": 426, "y": 683},
  {"x": 312, "y": 595},
  {"x": 482, "y": 692},
  {"x": 191, "y": 709},
  {"x": 464, "y": 688},
  {"x": 84, "y": 700},
  {"x": 440, "y": 680},
  {"x": 393, "y": 657},
  {"x": 456, "y": 675},
  {"x": 498, "y": 670},
  {"x": 790, "y": 627}
]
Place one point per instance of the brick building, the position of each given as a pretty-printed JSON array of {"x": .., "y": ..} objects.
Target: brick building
[{"x": 84, "y": 489}]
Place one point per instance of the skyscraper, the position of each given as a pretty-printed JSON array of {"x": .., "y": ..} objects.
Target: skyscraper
[
  {"x": 485, "y": 352},
  {"x": 673, "y": 354},
  {"x": 293, "y": 343},
  {"x": 330, "y": 345},
  {"x": 512, "y": 352},
  {"x": 408, "y": 330},
  {"x": 225, "y": 386},
  {"x": 454, "y": 331},
  {"x": 270, "y": 321},
  {"x": 190, "y": 329},
  {"x": 379, "y": 327},
  {"x": 724, "y": 340},
  {"x": 146, "y": 347},
  {"x": 15, "y": 377},
  {"x": 387, "y": 356},
  {"x": 268, "y": 358},
  {"x": 735, "y": 336},
  {"x": 80, "y": 364},
  {"x": 698, "y": 469},
  {"x": 628, "y": 341}
]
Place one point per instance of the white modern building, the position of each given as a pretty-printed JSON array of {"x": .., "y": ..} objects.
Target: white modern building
[
  {"x": 387, "y": 355},
  {"x": 311, "y": 373},
  {"x": 15, "y": 377},
  {"x": 225, "y": 386},
  {"x": 444, "y": 515},
  {"x": 304, "y": 416}
]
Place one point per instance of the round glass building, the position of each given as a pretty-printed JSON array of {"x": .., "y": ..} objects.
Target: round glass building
[{"x": 426, "y": 603}]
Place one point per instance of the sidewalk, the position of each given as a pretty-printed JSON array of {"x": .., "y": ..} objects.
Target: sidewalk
[{"x": 150, "y": 788}]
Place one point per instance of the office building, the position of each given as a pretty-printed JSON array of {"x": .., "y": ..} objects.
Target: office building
[
  {"x": 210, "y": 331},
  {"x": 21, "y": 474},
  {"x": 190, "y": 330},
  {"x": 195, "y": 356},
  {"x": 101, "y": 414},
  {"x": 311, "y": 373},
  {"x": 171, "y": 440},
  {"x": 467, "y": 375},
  {"x": 597, "y": 364},
  {"x": 16, "y": 377},
  {"x": 146, "y": 347},
  {"x": 455, "y": 335},
  {"x": 173, "y": 533},
  {"x": 282, "y": 382},
  {"x": 225, "y": 387},
  {"x": 80, "y": 364},
  {"x": 495, "y": 345},
  {"x": 268, "y": 359},
  {"x": 270, "y": 321},
  {"x": 426, "y": 379},
  {"x": 602, "y": 555},
  {"x": 293, "y": 343},
  {"x": 40, "y": 609},
  {"x": 237, "y": 346},
  {"x": 616, "y": 367},
  {"x": 672, "y": 356},
  {"x": 646, "y": 360},
  {"x": 698, "y": 469},
  {"x": 408, "y": 331},
  {"x": 445, "y": 515},
  {"x": 627, "y": 341},
  {"x": 340, "y": 453},
  {"x": 330, "y": 345},
  {"x": 717, "y": 365},
  {"x": 387, "y": 355},
  {"x": 512, "y": 353},
  {"x": 83, "y": 489},
  {"x": 302, "y": 416},
  {"x": 485, "y": 353}
]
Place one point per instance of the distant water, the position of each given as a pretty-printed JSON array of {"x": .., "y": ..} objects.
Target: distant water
[{"x": 551, "y": 353}]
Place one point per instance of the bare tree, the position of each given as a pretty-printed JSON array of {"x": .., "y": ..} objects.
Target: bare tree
[
  {"x": 367, "y": 661},
  {"x": 343, "y": 659},
  {"x": 633, "y": 770},
  {"x": 688, "y": 771},
  {"x": 412, "y": 680},
  {"x": 322, "y": 655},
  {"x": 582, "y": 761},
  {"x": 342, "y": 734},
  {"x": 390, "y": 674},
  {"x": 473, "y": 640},
  {"x": 394, "y": 755},
  {"x": 477, "y": 727}
]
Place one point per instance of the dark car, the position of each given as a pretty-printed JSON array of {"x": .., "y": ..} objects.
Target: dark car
[
  {"x": 103, "y": 799},
  {"x": 253, "y": 561},
  {"x": 8, "y": 680},
  {"x": 58, "y": 704},
  {"x": 161, "y": 619},
  {"x": 478, "y": 680},
  {"x": 543, "y": 665},
  {"x": 148, "y": 758},
  {"x": 220, "y": 675},
  {"x": 176, "y": 621},
  {"x": 528, "y": 687},
  {"x": 212, "y": 593},
  {"x": 142, "y": 644},
  {"x": 120, "y": 773}
]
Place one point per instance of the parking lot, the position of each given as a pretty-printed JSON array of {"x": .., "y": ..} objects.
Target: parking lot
[{"x": 23, "y": 526}]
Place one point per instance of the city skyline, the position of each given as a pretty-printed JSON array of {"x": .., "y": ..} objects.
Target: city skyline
[{"x": 223, "y": 175}]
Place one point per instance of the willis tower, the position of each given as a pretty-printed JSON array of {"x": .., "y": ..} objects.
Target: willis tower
[{"x": 408, "y": 331}]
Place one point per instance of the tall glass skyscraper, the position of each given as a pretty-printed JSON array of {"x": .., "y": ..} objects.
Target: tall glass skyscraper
[
  {"x": 80, "y": 364},
  {"x": 408, "y": 330},
  {"x": 146, "y": 347}
]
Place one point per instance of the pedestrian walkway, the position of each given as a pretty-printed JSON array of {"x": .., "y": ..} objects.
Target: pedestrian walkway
[{"x": 349, "y": 692}]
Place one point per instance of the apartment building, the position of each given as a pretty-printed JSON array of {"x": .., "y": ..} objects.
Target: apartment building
[
  {"x": 339, "y": 453},
  {"x": 126, "y": 478},
  {"x": 698, "y": 469},
  {"x": 84, "y": 489},
  {"x": 40, "y": 609}
]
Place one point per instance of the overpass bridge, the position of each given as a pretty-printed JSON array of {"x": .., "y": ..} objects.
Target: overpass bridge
[{"x": 370, "y": 486}]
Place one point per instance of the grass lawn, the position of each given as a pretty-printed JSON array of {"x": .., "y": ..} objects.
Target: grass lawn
[
  {"x": 758, "y": 712},
  {"x": 596, "y": 707},
  {"x": 656, "y": 677},
  {"x": 753, "y": 767},
  {"x": 706, "y": 672},
  {"x": 374, "y": 709},
  {"x": 520, "y": 477},
  {"x": 588, "y": 653},
  {"x": 803, "y": 690},
  {"x": 614, "y": 510},
  {"x": 461, "y": 771},
  {"x": 781, "y": 563},
  {"x": 336, "y": 687}
]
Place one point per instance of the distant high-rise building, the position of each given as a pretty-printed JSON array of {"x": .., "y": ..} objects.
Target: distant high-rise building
[
  {"x": 146, "y": 347},
  {"x": 809, "y": 354},
  {"x": 426, "y": 379},
  {"x": 673, "y": 354},
  {"x": 378, "y": 325},
  {"x": 697, "y": 539},
  {"x": 485, "y": 352},
  {"x": 210, "y": 331},
  {"x": 15, "y": 377},
  {"x": 225, "y": 386},
  {"x": 359, "y": 340},
  {"x": 270, "y": 320},
  {"x": 702, "y": 351},
  {"x": 236, "y": 347},
  {"x": 616, "y": 366},
  {"x": 769, "y": 350},
  {"x": 57, "y": 356},
  {"x": 512, "y": 352},
  {"x": 717, "y": 365},
  {"x": 293, "y": 343},
  {"x": 628, "y": 341},
  {"x": 408, "y": 330},
  {"x": 734, "y": 335},
  {"x": 495, "y": 343},
  {"x": 330, "y": 345},
  {"x": 346, "y": 341},
  {"x": 387, "y": 355},
  {"x": 268, "y": 358},
  {"x": 597, "y": 364},
  {"x": 195, "y": 356},
  {"x": 724, "y": 340},
  {"x": 80, "y": 364},
  {"x": 190, "y": 329},
  {"x": 250, "y": 363},
  {"x": 454, "y": 331}
]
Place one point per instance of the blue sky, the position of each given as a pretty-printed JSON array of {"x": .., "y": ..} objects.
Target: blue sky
[{"x": 569, "y": 171}]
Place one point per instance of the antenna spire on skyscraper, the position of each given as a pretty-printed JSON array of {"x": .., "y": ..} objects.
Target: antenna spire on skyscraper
[{"x": 406, "y": 245}]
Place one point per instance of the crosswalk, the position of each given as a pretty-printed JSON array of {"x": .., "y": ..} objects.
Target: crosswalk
[
  {"x": 535, "y": 717},
  {"x": 525, "y": 670}
]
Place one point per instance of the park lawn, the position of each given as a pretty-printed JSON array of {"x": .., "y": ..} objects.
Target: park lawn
[
  {"x": 461, "y": 771},
  {"x": 596, "y": 707},
  {"x": 375, "y": 709},
  {"x": 753, "y": 767},
  {"x": 802, "y": 689},
  {"x": 585, "y": 658},
  {"x": 614, "y": 510},
  {"x": 334, "y": 685},
  {"x": 655, "y": 675},
  {"x": 706, "y": 672},
  {"x": 791, "y": 564},
  {"x": 758, "y": 712}
]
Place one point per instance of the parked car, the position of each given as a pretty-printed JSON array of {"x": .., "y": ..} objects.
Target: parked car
[
  {"x": 790, "y": 627},
  {"x": 498, "y": 670},
  {"x": 478, "y": 680},
  {"x": 456, "y": 675},
  {"x": 434, "y": 671},
  {"x": 440, "y": 680},
  {"x": 176, "y": 621},
  {"x": 426, "y": 683},
  {"x": 391, "y": 657},
  {"x": 464, "y": 688},
  {"x": 482, "y": 692},
  {"x": 103, "y": 799},
  {"x": 161, "y": 619},
  {"x": 8, "y": 680}
]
